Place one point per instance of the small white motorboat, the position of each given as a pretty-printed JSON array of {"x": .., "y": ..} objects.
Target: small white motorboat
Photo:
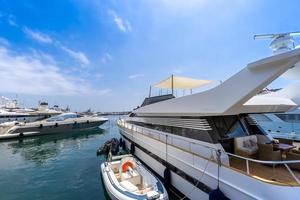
[{"x": 125, "y": 178}]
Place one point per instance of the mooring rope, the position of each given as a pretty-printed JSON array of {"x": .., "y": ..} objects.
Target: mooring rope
[{"x": 199, "y": 180}]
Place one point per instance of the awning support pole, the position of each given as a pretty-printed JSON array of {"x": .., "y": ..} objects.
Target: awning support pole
[
  {"x": 150, "y": 91},
  {"x": 172, "y": 84}
]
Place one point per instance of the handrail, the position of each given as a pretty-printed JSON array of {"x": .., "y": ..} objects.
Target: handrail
[
  {"x": 235, "y": 155},
  {"x": 264, "y": 161},
  {"x": 285, "y": 162}
]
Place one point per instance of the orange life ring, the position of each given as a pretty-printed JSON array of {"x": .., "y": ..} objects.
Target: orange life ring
[{"x": 126, "y": 165}]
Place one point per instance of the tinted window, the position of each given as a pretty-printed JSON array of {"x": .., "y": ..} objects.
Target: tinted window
[
  {"x": 184, "y": 132},
  {"x": 236, "y": 131}
]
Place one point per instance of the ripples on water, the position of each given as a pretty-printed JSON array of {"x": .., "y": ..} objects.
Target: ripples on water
[{"x": 61, "y": 166}]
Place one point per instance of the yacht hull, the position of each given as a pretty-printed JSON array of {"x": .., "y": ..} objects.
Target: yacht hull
[
  {"x": 52, "y": 128},
  {"x": 195, "y": 178}
]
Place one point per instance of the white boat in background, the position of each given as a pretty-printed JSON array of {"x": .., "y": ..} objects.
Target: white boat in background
[
  {"x": 10, "y": 111},
  {"x": 207, "y": 140},
  {"x": 125, "y": 178},
  {"x": 62, "y": 123}
]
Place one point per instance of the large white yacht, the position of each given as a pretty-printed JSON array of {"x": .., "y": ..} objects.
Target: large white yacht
[
  {"x": 10, "y": 111},
  {"x": 207, "y": 140},
  {"x": 62, "y": 123}
]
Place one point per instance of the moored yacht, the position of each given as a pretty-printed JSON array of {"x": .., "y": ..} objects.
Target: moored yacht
[
  {"x": 62, "y": 123},
  {"x": 208, "y": 140},
  {"x": 10, "y": 111}
]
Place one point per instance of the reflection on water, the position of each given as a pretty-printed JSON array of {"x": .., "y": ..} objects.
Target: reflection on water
[
  {"x": 60, "y": 166},
  {"x": 40, "y": 149}
]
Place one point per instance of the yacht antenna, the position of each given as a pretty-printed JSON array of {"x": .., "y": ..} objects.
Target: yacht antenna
[
  {"x": 281, "y": 42},
  {"x": 150, "y": 91}
]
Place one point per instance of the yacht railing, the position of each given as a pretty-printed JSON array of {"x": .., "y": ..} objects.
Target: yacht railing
[{"x": 191, "y": 146}]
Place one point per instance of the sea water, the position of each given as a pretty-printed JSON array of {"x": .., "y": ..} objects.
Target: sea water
[{"x": 54, "y": 167}]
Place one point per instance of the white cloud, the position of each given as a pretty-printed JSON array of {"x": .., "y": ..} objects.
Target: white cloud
[
  {"x": 123, "y": 25},
  {"x": 106, "y": 58},
  {"x": 43, "y": 57},
  {"x": 128, "y": 25},
  {"x": 77, "y": 55},
  {"x": 43, "y": 38},
  {"x": 134, "y": 76},
  {"x": 29, "y": 74},
  {"x": 4, "y": 41},
  {"x": 98, "y": 75},
  {"x": 12, "y": 21},
  {"x": 38, "y": 36}
]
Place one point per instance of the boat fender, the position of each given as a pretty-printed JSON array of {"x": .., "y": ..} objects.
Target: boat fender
[
  {"x": 21, "y": 134},
  {"x": 132, "y": 148},
  {"x": 217, "y": 194},
  {"x": 87, "y": 121},
  {"x": 167, "y": 178},
  {"x": 120, "y": 142},
  {"x": 56, "y": 124},
  {"x": 41, "y": 125}
]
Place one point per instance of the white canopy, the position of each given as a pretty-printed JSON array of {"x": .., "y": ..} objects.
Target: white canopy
[{"x": 179, "y": 82}]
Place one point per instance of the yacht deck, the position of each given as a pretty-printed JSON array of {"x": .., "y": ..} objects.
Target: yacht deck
[{"x": 268, "y": 173}]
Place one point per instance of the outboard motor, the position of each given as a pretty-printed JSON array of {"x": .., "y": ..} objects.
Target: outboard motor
[{"x": 112, "y": 145}]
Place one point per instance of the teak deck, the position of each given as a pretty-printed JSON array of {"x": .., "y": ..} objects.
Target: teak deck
[{"x": 274, "y": 174}]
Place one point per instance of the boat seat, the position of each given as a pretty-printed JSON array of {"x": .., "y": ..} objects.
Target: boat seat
[
  {"x": 134, "y": 178},
  {"x": 246, "y": 146},
  {"x": 128, "y": 186}
]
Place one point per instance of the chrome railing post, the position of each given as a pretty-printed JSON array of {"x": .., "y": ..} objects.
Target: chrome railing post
[
  {"x": 292, "y": 173},
  {"x": 247, "y": 166}
]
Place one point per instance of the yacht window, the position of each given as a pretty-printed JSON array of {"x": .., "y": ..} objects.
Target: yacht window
[
  {"x": 291, "y": 117},
  {"x": 231, "y": 126},
  {"x": 236, "y": 130},
  {"x": 184, "y": 132},
  {"x": 62, "y": 117}
]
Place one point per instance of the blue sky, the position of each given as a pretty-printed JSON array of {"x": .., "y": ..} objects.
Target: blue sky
[{"x": 104, "y": 54}]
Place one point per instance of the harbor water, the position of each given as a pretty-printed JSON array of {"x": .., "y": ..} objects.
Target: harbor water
[{"x": 54, "y": 167}]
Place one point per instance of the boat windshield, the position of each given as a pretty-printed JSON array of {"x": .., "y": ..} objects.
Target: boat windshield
[
  {"x": 236, "y": 130},
  {"x": 62, "y": 117}
]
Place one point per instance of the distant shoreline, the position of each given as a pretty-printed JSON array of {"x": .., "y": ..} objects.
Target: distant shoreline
[{"x": 114, "y": 113}]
